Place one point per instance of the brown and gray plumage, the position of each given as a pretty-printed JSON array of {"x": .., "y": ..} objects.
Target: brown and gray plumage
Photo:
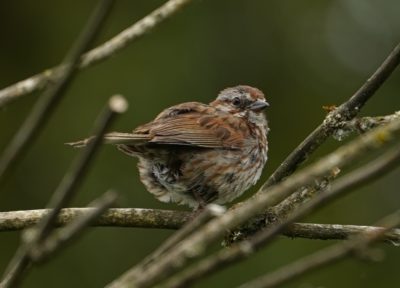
[{"x": 195, "y": 153}]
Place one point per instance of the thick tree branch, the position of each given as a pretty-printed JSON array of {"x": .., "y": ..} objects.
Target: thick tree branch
[
  {"x": 115, "y": 217},
  {"x": 170, "y": 219},
  {"x": 100, "y": 53}
]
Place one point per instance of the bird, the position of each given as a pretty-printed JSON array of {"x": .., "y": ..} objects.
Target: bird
[{"x": 195, "y": 154}]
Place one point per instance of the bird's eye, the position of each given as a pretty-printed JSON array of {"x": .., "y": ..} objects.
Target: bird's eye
[{"x": 236, "y": 101}]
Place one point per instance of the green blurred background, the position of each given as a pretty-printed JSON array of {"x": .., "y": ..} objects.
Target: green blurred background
[{"x": 303, "y": 54}]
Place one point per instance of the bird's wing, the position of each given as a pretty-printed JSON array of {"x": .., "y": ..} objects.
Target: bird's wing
[
  {"x": 189, "y": 124},
  {"x": 197, "y": 125}
]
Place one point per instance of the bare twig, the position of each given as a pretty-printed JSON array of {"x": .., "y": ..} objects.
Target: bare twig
[
  {"x": 324, "y": 257},
  {"x": 46, "y": 104},
  {"x": 61, "y": 196},
  {"x": 100, "y": 53},
  {"x": 336, "y": 232},
  {"x": 197, "y": 242},
  {"x": 344, "y": 112},
  {"x": 59, "y": 238},
  {"x": 244, "y": 249}
]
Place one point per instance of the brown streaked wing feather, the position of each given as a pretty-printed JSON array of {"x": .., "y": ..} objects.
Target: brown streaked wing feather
[
  {"x": 190, "y": 129},
  {"x": 171, "y": 112},
  {"x": 193, "y": 124}
]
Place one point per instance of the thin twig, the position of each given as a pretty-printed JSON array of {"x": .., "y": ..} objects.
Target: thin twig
[
  {"x": 244, "y": 249},
  {"x": 344, "y": 112},
  {"x": 62, "y": 195},
  {"x": 324, "y": 257},
  {"x": 67, "y": 188},
  {"x": 47, "y": 103},
  {"x": 336, "y": 232},
  {"x": 194, "y": 245},
  {"x": 63, "y": 236},
  {"x": 98, "y": 54}
]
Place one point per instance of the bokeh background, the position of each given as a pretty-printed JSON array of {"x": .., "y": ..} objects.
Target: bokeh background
[{"x": 304, "y": 54}]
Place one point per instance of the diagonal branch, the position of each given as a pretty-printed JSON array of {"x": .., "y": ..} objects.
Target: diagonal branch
[
  {"x": 210, "y": 211},
  {"x": 344, "y": 112},
  {"x": 47, "y": 103},
  {"x": 98, "y": 54},
  {"x": 61, "y": 237}
]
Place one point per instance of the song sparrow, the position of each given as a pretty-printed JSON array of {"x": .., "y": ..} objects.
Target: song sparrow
[{"x": 195, "y": 154}]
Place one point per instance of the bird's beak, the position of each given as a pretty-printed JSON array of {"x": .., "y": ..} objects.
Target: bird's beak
[{"x": 259, "y": 105}]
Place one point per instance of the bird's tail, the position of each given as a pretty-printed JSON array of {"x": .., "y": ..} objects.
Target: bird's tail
[{"x": 114, "y": 138}]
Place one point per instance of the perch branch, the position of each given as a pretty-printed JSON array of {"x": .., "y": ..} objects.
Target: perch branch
[
  {"x": 170, "y": 219},
  {"x": 100, "y": 53},
  {"x": 115, "y": 217},
  {"x": 192, "y": 246},
  {"x": 326, "y": 256}
]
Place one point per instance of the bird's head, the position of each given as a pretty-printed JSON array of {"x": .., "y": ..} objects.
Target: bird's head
[{"x": 242, "y": 101}]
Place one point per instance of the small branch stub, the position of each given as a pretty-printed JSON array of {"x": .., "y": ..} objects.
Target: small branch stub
[{"x": 118, "y": 104}]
